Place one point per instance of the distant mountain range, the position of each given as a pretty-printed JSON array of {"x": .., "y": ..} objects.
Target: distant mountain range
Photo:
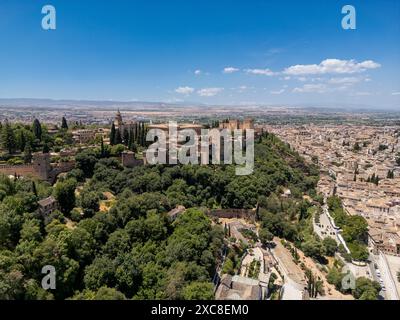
[{"x": 147, "y": 105}]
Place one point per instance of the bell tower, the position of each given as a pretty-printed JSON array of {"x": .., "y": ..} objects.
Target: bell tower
[{"x": 118, "y": 120}]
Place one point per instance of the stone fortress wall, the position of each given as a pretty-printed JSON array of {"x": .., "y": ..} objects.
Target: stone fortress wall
[
  {"x": 39, "y": 168},
  {"x": 21, "y": 170},
  {"x": 248, "y": 214}
]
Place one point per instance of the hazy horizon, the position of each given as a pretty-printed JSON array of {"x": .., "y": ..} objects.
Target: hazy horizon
[{"x": 47, "y": 102}]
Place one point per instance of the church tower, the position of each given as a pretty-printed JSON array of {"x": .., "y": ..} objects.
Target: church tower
[{"x": 118, "y": 120}]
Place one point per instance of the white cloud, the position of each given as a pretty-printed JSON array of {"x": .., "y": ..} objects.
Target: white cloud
[
  {"x": 302, "y": 79},
  {"x": 230, "y": 70},
  {"x": 278, "y": 91},
  {"x": 395, "y": 93},
  {"x": 369, "y": 64},
  {"x": 209, "y": 92},
  {"x": 331, "y": 85},
  {"x": 184, "y": 90},
  {"x": 197, "y": 72},
  {"x": 362, "y": 93},
  {"x": 307, "y": 88},
  {"x": 333, "y": 66},
  {"x": 345, "y": 80},
  {"x": 264, "y": 72},
  {"x": 241, "y": 89}
]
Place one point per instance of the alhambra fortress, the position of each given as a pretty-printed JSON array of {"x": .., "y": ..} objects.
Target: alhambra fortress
[{"x": 42, "y": 168}]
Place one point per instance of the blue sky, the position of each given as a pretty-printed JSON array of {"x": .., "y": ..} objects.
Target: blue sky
[{"x": 217, "y": 52}]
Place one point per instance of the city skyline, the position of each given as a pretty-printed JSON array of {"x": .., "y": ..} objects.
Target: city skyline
[{"x": 208, "y": 53}]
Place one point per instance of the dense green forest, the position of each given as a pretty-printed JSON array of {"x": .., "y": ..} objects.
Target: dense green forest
[
  {"x": 18, "y": 141},
  {"x": 132, "y": 250},
  {"x": 210, "y": 186}
]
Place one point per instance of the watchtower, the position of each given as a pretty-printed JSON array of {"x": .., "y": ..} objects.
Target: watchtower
[{"x": 41, "y": 164}]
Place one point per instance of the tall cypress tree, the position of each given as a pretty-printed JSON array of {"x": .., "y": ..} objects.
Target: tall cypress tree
[
  {"x": 34, "y": 191},
  {"x": 64, "y": 124},
  {"x": 37, "y": 129},
  {"x": 102, "y": 151},
  {"x": 130, "y": 140},
  {"x": 112, "y": 135},
  {"x": 126, "y": 136},
  {"x": 136, "y": 133},
  {"x": 118, "y": 138},
  {"x": 142, "y": 135}
]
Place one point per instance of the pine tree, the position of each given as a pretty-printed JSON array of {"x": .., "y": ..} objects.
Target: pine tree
[
  {"x": 37, "y": 129},
  {"x": 22, "y": 141},
  {"x": 64, "y": 124},
  {"x": 112, "y": 134},
  {"x": 8, "y": 138}
]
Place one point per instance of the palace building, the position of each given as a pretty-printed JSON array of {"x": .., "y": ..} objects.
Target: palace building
[
  {"x": 121, "y": 125},
  {"x": 236, "y": 124}
]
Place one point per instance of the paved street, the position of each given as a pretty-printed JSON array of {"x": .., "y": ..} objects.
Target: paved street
[
  {"x": 388, "y": 281},
  {"x": 325, "y": 228},
  {"x": 394, "y": 266}
]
